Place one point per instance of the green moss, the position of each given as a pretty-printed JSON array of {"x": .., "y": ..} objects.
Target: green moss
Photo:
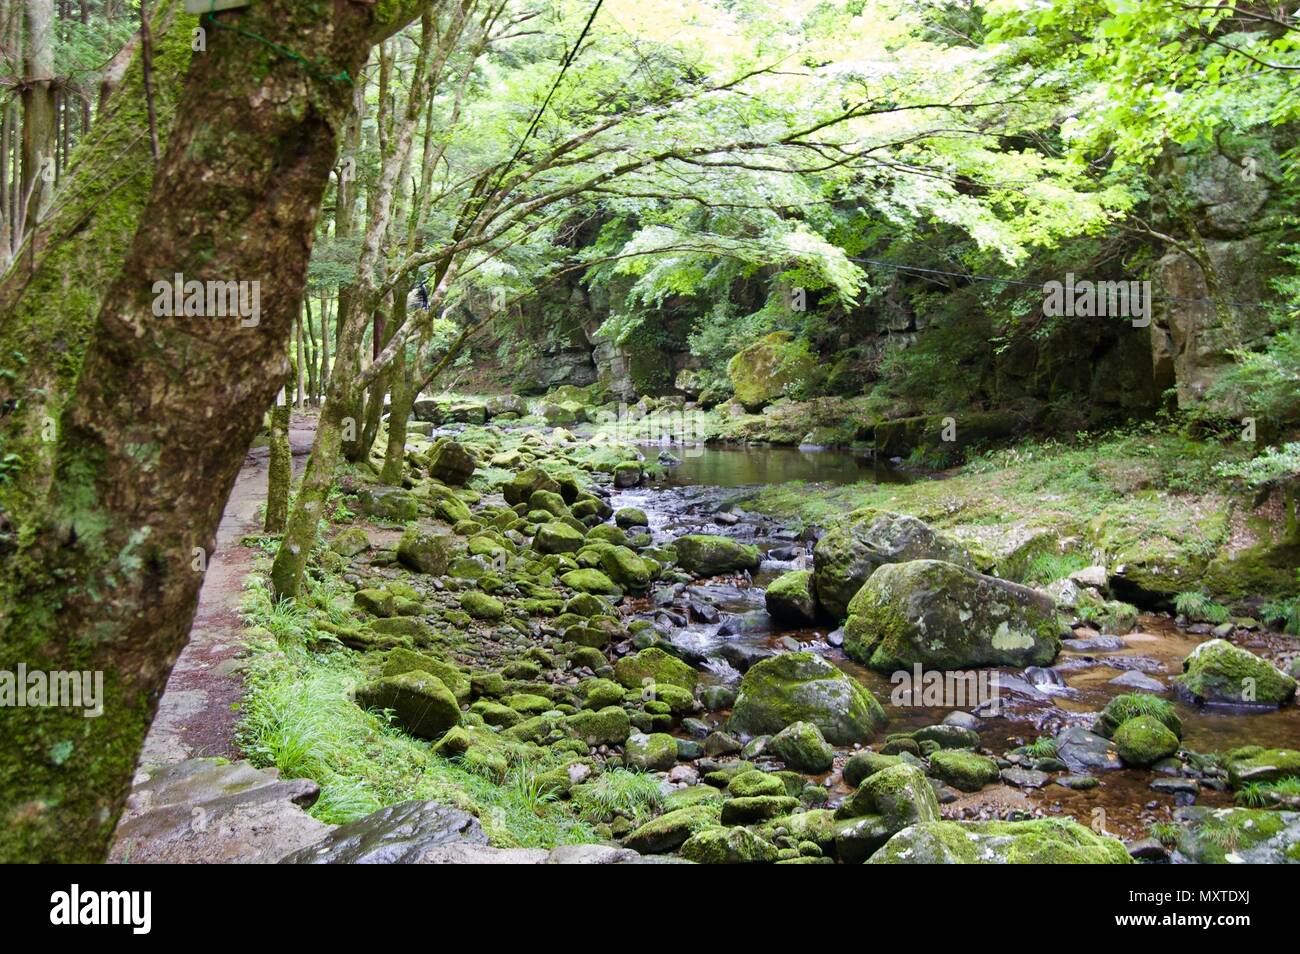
[
  {"x": 963, "y": 770},
  {"x": 1144, "y": 740},
  {"x": 1041, "y": 841}
]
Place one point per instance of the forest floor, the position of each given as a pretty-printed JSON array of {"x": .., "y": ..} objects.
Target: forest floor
[{"x": 198, "y": 710}]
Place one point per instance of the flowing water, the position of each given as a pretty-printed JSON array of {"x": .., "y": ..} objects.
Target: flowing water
[{"x": 722, "y": 626}]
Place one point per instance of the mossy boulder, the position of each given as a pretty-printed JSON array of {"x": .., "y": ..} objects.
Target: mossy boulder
[
  {"x": 847, "y": 555},
  {"x": 423, "y": 552},
  {"x": 446, "y": 504},
  {"x": 481, "y": 605},
  {"x": 653, "y": 666},
  {"x": 882, "y": 805},
  {"x": 754, "y": 783},
  {"x": 802, "y": 747},
  {"x": 626, "y": 569},
  {"x": 656, "y": 752},
  {"x": 863, "y": 764},
  {"x": 1046, "y": 841},
  {"x": 670, "y": 830},
  {"x": 803, "y": 687},
  {"x": 629, "y": 517},
  {"x": 1218, "y": 671},
  {"x": 772, "y": 367},
  {"x": 556, "y": 537},
  {"x": 350, "y": 542},
  {"x": 607, "y": 726},
  {"x": 375, "y": 601},
  {"x": 451, "y": 462},
  {"x": 406, "y": 660},
  {"x": 387, "y": 503},
  {"x": 1215, "y": 836},
  {"x": 520, "y": 488},
  {"x": 1130, "y": 705},
  {"x": 703, "y": 554},
  {"x": 790, "y": 598},
  {"x": 421, "y": 703},
  {"x": 944, "y": 616},
  {"x": 758, "y": 808},
  {"x": 1144, "y": 740},
  {"x": 963, "y": 770},
  {"x": 598, "y": 693},
  {"x": 728, "y": 846},
  {"x": 588, "y": 580},
  {"x": 1256, "y": 764}
]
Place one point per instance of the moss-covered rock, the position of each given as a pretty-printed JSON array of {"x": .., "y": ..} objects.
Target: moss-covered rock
[
  {"x": 963, "y": 770},
  {"x": 703, "y": 554},
  {"x": 406, "y": 660},
  {"x": 520, "y": 488},
  {"x": 481, "y": 605},
  {"x": 1218, "y": 671},
  {"x": 883, "y": 804},
  {"x": 589, "y": 580},
  {"x": 670, "y": 830},
  {"x": 1144, "y": 740},
  {"x": 451, "y": 462},
  {"x": 944, "y": 616},
  {"x": 846, "y": 555},
  {"x": 865, "y": 763},
  {"x": 607, "y": 726},
  {"x": 790, "y": 598},
  {"x": 757, "y": 808},
  {"x": 1215, "y": 836},
  {"x": 803, "y": 687},
  {"x": 728, "y": 846},
  {"x": 653, "y": 666},
  {"x": 423, "y": 552},
  {"x": 350, "y": 542},
  {"x": 387, "y": 503},
  {"x": 802, "y": 747},
  {"x": 1047, "y": 841},
  {"x": 625, "y": 568},
  {"x": 772, "y": 367},
  {"x": 375, "y": 601},
  {"x": 556, "y": 537},
  {"x": 598, "y": 693},
  {"x": 754, "y": 783},
  {"x": 1257, "y": 765},
  {"x": 629, "y": 517},
  {"x": 656, "y": 752},
  {"x": 1130, "y": 705},
  {"x": 422, "y": 705}
]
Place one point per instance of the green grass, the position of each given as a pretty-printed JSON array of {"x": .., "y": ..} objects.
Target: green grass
[
  {"x": 634, "y": 795},
  {"x": 1165, "y": 832},
  {"x": 1051, "y": 566},
  {"x": 1044, "y": 747},
  {"x": 1268, "y": 794},
  {"x": 1200, "y": 608},
  {"x": 299, "y": 716}
]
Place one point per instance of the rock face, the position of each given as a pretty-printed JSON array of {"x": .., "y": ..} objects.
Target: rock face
[
  {"x": 209, "y": 811},
  {"x": 801, "y": 687},
  {"x": 398, "y": 834},
  {"x": 704, "y": 555},
  {"x": 1217, "y": 671},
  {"x": 847, "y": 555},
  {"x": 790, "y": 598},
  {"x": 771, "y": 367},
  {"x": 421, "y": 703},
  {"x": 1050, "y": 841},
  {"x": 944, "y": 616}
]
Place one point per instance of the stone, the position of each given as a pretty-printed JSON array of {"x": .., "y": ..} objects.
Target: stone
[
  {"x": 728, "y": 846},
  {"x": 943, "y": 616},
  {"x": 605, "y": 726},
  {"x": 847, "y": 555},
  {"x": 802, "y": 747},
  {"x": 650, "y": 753},
  {"x": 1255, "y": 765},
  {"x": 450, "y": 462},
  {"x": 703, "y": 555},
  {"x": 653, "y": 666},
  {"x": 556, "y": 537},
  {"x": 1236, "y": 835},
  {"x": 1121, "y": 708},
  {"x": 770, "y": 368},
  {"x": 589, "y": 580},
  {"x": 790, "y": 598},
  {"x": 405, "y": 660},
  {"x": 751, "y": 784},
  {"x": 963, "y": 770},
  {"x": 882, "y": 805},
  {"x": 422, "y": 704},
  {"x": 481, "y": 605},
  {"x": 1039, "y": 841},
  {"x": 350, "y": 542},
  {"x": 521, "y": 487},
  {"x": 629, "y": 517},
  {"x": 670, "y": 830},
  {"x": 1218, "y": 671},
  {"x": 802, "y": 687},
  {"x": 423, "y": 552},
  {"x": 1084, "y": 751},
  {"x": 387, "y": 503},
  {"x": 398, "y": 834},
  {"x": 747, "y": 811}
]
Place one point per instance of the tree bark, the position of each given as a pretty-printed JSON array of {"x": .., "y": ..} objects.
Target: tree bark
[
  {"x": 280, "y": 472},
  {"x": 40, "y": 110},
  {"x": 105, "y": 569}
]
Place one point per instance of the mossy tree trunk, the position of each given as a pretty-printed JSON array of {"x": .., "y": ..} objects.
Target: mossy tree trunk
[
  {"x": 279, "y": 472},
  {"x": 103, "y": 568}
]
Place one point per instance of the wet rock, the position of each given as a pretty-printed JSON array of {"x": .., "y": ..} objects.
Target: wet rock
[
  {"x": 1240, "y": 835},
  {"x": 1093, "y": 644},
  {"x": 422, "y": 704},
  {"x": 210, "y": 811},
  {"x": 717, "y": 697},
  {"x": 398, "y": 834},
  {"x": 1083, "y": 751},
  {"x": 1138, "y": 682},
  {"x": 846, "y": 556},
  {"x": 963, "y": 720},
  {"x": 630, "y": 517},
  {"x": 702, "y": 555},
  {"x": 728, "y": 846},
  {"x": 1040, "y": 841},
  {"x": 741, "y": 656},
  {"x": 802, "y": 687},
  {"x": 1176, "y": 786},
  {"x": 948, "y": 736},
  {"x": 1079, "y": 783},
  {"x": 450, "y": 462},
  {"x": 790, "y": 598},
  {"x": 1218, "y": 671},
  {"x": 802, "y": 747},
  {"x": 943, "y": 616},
  {"x": 1025, "y": 778}
]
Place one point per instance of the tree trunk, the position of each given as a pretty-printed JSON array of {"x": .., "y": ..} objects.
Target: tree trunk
[
  {"x": 40, "y": 111},
  {"x": 105, "y": 568},
  {"x": 280, "y": 472}
]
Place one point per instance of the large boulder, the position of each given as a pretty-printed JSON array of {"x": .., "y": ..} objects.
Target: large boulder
[
  {"x": 423, "y": 552},
  {"x": 728, "y": 846},
  {"x": 802, "y": 747},
  {"x": 1217, "y": 671},
  {"x": 774, "y": 366},
  {"x": 450, "y": 462},
  {"x": 1215, "y": 836},
  {"x": 802, "y": 687},
  {"x": 421, "y": 703},
  {"x": 790, "y": 598},
  {"x": 847, "y": 555},
  {"x": 705, "y": 555},
  {"x": 522, "y": 486},
  {"x": 499, "y": 404},
  {"x": 556, "y": 537},
  {"x": 653, "y": 666},
  {"x": 1144, "y": 741},
  {"x": 1053, "y": 841},
  {"x": 883, "y": 805},
  {"x": 943, "y": 616}
]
